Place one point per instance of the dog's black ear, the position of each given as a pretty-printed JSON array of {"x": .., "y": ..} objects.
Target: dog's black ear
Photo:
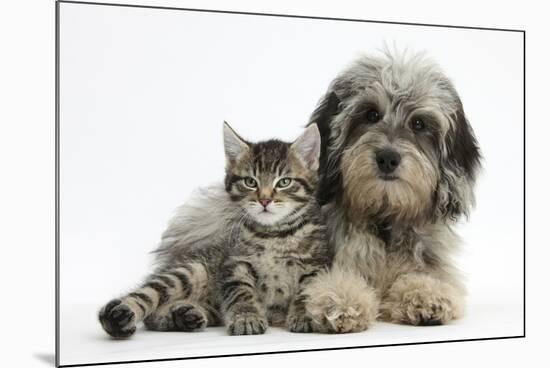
[
  {"x": 329, "y": 172},
  {"x": 463, "y": 149},
  {"x": 459, "y": 167}
]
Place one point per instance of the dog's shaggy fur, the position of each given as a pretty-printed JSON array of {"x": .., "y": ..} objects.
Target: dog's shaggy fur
[{"x": 391, "y": 227}]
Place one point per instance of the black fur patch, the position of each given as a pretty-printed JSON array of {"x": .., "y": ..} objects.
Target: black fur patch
[
  {"x": 463, "y": 149},
  {"x": 464, "y": 157},
  {"x": 329, "y": 170}
]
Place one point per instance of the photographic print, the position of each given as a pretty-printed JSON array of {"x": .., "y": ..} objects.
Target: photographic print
[{"x": 234, "y": 183}]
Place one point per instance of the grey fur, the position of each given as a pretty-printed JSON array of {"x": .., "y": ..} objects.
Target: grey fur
[
  {"x": 221, "y": 261},
  {"x": 392, "y": 233}
]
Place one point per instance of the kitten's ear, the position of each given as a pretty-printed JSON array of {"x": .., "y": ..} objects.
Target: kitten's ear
[
  {"x": 234, "y": 145},
  {"x": 308, "y": 147}
]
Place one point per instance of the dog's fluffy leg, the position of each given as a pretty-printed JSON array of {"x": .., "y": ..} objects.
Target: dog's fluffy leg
[
  {"x": 421, "y": 299},
  {"x": 340, "y": 301}
]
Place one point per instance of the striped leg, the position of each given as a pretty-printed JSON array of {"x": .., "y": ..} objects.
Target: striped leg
[
  {"x": 298, "y": 319},
  {"x": 187, "y": 281},
  {"x": 243, "y": 314}
]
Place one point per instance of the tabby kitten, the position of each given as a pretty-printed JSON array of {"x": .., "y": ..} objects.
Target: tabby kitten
[{"x": 254, "y": 272}]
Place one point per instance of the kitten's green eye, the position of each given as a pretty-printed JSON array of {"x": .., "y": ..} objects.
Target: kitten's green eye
[
  {"x": 250, "y": 182},
  {"x": 283, "y": 183}
]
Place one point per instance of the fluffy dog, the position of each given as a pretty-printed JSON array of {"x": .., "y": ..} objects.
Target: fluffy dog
[{"x": 398, "y": 165}]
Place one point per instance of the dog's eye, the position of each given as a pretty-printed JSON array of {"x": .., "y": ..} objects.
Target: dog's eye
[
  {"x": 250, "y": 182},
  {"x": 418, "y": 125},
  {"x": 373, "y": 116}
]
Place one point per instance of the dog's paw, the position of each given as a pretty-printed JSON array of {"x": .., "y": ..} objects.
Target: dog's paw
[
  {"x": 342, "y": 319},
  {"x": 299, "y": 323},
  {"x": 247, "y": 324},
  {"x": 117, "y": 319},
  {"x": 419, "y": 309},
  {"x": 188, "y": 317},
  {"x": 422, "y": 301},
  {"x": 341, "y": 302}
]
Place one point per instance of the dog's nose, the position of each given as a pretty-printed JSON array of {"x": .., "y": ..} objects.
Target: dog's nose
[{"x": 388, "y": 160}]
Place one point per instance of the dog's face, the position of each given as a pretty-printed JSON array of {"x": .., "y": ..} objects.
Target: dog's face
[{"x": 396, "y": 144}]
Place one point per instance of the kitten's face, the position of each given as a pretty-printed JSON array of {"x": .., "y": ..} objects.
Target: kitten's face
[{"x": 271, "y": 180}]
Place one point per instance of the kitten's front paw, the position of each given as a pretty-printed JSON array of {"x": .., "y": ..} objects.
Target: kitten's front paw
[
  {"x": 188, "y": 317},
  {"x": 117, "y": 319},
  {"x": 247, "y": 324},
  {"x": 299, "y": 323}
]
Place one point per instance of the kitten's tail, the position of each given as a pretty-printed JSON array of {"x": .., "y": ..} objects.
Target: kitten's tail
[{"x": 203, "y": 221}]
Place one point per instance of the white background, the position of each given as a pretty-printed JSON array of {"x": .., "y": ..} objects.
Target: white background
[
  {"x": 28, "y": 220},
  {"x": 143, "y": 95}
]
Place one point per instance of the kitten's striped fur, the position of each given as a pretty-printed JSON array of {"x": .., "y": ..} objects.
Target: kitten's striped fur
[{"x": 252, "y": 272}]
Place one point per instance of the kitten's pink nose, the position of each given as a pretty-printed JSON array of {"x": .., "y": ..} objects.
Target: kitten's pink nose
[{"x": 265, "y": 202}]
